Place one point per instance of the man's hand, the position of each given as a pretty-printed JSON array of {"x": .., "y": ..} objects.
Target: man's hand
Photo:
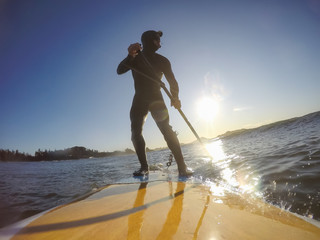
[
  {"x": 176, "y": 103},
  {"x": 134, "y": 49}
]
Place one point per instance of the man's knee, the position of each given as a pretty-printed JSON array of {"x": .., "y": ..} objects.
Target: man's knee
[
  {"x": 169, "y": 135},
  {"x": 165, "y": 128}
]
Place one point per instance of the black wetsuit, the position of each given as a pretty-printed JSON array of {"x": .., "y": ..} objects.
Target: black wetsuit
[{"x": 147, "y": 98}]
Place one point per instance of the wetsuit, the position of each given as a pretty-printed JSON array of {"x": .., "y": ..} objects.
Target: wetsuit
[{"x": 148, "y": 98}]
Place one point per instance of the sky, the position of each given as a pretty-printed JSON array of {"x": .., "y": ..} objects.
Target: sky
[{"x": 257, "y": 61}]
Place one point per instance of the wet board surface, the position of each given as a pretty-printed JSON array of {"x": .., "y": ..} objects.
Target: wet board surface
[{"x": 158, "y": 208}]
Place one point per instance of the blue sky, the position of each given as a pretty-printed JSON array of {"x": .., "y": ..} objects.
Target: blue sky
[{"x": 258, "y": 60}]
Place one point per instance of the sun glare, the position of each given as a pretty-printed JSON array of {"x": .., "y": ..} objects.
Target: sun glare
[
  {"x": 216, "y": 151},
  {"x": 207, "y": 108}
]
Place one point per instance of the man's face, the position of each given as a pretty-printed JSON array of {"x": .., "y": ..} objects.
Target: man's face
[{"x": 156, "y": 41}]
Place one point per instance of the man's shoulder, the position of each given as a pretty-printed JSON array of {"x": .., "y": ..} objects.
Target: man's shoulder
[{"x": 162, "y": 58}]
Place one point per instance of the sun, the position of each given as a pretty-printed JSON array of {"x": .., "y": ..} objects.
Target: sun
[{"x": 207, "y": 108}]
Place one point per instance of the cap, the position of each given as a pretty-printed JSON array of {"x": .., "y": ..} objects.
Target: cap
[{"x": 149, "y": 36}]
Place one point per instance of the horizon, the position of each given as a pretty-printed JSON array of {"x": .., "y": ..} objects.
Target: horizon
[
  {"x": 165, "y": 147},
  {"x": 239, "y": 64}
]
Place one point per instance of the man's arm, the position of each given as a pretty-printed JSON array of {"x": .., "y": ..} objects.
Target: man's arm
[
  {"x": 174, "y": 87},
  {"x": 126, "y": 63}
]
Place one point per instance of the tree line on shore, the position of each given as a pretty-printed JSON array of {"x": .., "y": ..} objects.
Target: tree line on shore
[{"x": 66, "y": 154}]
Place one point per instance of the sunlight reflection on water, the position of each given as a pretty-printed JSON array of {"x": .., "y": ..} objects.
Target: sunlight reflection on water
[{"x": 242, "y": 181}]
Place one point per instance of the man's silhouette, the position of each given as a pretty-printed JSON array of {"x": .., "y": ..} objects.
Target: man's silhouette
[{"x": 147, "y": 68}]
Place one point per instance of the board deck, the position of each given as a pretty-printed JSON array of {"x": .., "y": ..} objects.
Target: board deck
[{"x": 157, "y": 208}]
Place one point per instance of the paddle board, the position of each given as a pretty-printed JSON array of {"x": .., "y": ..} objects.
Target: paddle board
[{"x": 161, "y": 207}]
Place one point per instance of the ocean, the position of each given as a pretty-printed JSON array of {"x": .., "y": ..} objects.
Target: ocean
[{"x": 278, "y": 163}]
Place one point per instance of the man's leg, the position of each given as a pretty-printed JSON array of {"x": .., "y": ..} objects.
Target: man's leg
[
  {"x": 138, "y": 113},
  {"x": 160, "y": 114}
]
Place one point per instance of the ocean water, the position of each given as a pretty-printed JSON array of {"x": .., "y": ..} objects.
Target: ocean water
[{"x": 279, "y": 163}]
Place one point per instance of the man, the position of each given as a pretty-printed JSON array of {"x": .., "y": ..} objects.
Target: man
[{"x": 147, "y": 69}]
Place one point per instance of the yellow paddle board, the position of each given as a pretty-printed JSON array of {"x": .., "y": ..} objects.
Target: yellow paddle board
[{"x": 164, "y": 209}]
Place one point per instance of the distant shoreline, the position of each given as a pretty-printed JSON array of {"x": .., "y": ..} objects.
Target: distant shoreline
[
  {"x": 265, "y": 127},
  {"x": 74, "y": 153},
  {"x": 79, "y": 152}
]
